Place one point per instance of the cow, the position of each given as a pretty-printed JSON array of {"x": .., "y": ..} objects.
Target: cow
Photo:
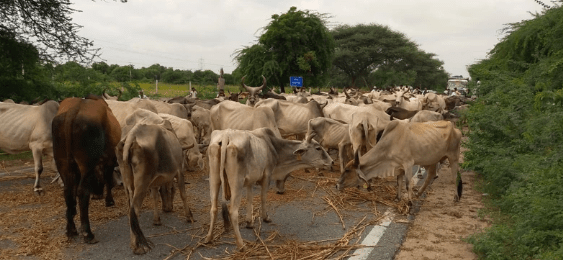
[
  {"x": 122, "y": 109},
  {"x": 175, "y": 109},
  {"x": 408, "y": 101},
  {"x": 433, "y": 102},
  {"x": 85, "y": 134},
  {"x": 343, "y": 112},
  {"x": 233, "y": 96},
  {"x": 426, "y": 115},
  {"x": 400, "y": 113},
  {"x": 201, "y": 119},
  {"x": 292, "y": 118},
  {"x": 253, "y": 91},
  {"x": 403, "y": 145},
  {"x": 365, "y": 127},
  {"x": 182, "y": 127},
  {"x": 234, "y": 115},
  {"x": 149, "y": 156},
  {"x": 332, "y": 134},
  {"x": 185, "y": 132},
  {"x": 26, "y": 127},
  {"x": 239, "y": 159}
]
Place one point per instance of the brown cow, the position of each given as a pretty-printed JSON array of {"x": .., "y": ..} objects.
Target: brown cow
[{"x": 85, "y": 134}]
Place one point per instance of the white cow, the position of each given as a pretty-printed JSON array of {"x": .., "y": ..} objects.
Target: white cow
[
  {"x": 26, "y": 127},
  {"x": 240, "y": 159}
]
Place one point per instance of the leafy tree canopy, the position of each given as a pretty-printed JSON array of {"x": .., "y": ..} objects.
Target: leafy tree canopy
[
  {"x": 388, "y": 55},
  {"x": 296, "y": 43}
]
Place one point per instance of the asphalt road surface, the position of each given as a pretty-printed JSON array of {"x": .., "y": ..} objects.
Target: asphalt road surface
[{"x": 301, "y": 214}]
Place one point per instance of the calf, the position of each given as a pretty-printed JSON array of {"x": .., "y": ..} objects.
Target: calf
[
  {"x": 85, "y": 134},
  {"x": 239, "y": 159},
  {"x": 332, "y": 134},
  {"x": 149, "y": 156}
]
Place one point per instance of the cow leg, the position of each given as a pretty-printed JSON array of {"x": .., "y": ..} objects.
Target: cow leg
[
  {"x": 156, "y": 217},
  {"x": 83, "y": 194},
  {"x": 280, "y": 185},
  {"x": 237, "y": 184},
  {"x": 38, "y": 161},
  {"x": 263, "y": 195},
  {"x": 454, "y": 168},
  {"x": 70, "y": 198},
  {"x": 139, "y": 242},
  {"x": 342, "y": 157},
  {"x": 409, "y": 183},
  {"x": 249, "y": 207},
  {"x": 400, "y": 177},
  {"x": 430, "y": 173},
  {"x": 214, "y": 186},
  {"x": 183, "y": 196},
  {"x": 108, "y": 177}
]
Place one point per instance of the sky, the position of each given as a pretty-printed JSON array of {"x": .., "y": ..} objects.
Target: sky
[{"x": 204, "y": 34}]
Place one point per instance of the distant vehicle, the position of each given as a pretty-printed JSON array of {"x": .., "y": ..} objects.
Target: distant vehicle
[{"x": 458, "y": 82}]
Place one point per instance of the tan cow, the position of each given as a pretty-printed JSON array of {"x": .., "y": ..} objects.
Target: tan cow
[
  {"x": 433, "y": 102},
  {"x": 201, "y": 119},
  {"x": 404, "y": 145},
  {"x": 332, "y": 134},
  {"x": 185, "y": 132},
  {"x": 364, "y": 127},
  {"x": 121, "y": 109},
  {"x": 149, "y": 157},
  {"x": 174, "y": 109},
  {"x": 239, "y": 159},
  {"x": 26, "y": 127},
  {"x": 293, "y": 118},
  {"x": 234, "y": 115}
]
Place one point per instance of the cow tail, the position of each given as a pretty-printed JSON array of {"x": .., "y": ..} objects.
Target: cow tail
[
  {"x": 223, "y": 174},
  {"x": 127, "y": 146},
  {"x": 225, "y": 183},
  {"x": 366, "y": 131}
]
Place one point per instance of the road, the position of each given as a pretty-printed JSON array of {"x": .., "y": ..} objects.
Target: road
[{"x": 302, "y": 219}]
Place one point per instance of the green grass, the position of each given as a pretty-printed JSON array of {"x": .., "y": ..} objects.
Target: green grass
[
  {"x": 20, "y": 156},
  {"x": 173, "y": 90}
]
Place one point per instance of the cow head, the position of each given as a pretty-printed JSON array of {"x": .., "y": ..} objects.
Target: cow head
[
  {"x": 167, "y": 192},
  {"x": 311, "y": 152},
  {"x": 234, "y": 96},
  {"x": 353, "y": 176},
  {"x": 253, "y": 91}
]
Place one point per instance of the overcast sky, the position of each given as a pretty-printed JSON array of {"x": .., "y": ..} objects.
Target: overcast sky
[{"x": 204, "y": 34}]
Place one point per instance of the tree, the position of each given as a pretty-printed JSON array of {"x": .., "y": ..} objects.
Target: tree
[
  {"x": 48, "y": 26},
  {"x": 373, "y": 48},
  {"x": 296, "y": 43}
]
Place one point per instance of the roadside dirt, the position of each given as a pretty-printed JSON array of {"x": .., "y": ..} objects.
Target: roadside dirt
[{"x": 440, "y": 227}]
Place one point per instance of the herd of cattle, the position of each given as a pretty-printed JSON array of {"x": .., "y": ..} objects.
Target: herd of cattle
[{"x": 97, "y": 142}]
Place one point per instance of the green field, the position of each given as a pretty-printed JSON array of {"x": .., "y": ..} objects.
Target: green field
[{"x": 172, "y": 90}]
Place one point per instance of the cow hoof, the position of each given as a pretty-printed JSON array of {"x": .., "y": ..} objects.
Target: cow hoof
[
  {"x": 39, "y": 192},
  {"x": 249, "y": 225},
  {"x": 90, "y": 240},
  {"x": 267, "y": 219},
  {"x": 72, "y": 234},
  {"x": 141, "y": 250},
  {"x": 280, "y": 192},
  {"x": 97, "y": 196}
]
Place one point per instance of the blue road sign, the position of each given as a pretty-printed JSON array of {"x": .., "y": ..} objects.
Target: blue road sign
[{"x": 296, "y": 81}]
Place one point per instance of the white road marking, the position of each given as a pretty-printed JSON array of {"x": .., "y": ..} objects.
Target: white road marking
[{"x": 372, "y": 238}]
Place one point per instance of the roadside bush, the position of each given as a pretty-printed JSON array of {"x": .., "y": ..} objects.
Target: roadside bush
[{"x": 516, "y": 140}]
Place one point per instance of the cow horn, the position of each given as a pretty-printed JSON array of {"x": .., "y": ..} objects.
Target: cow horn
[
  {"x": 120, "y": 93},
  {"x": 263, "y": 82},
  {"x": 310, "y": 137},
  {"x": 104, "y": 95},
  {"x": 242, "y": 82},
  {"x": 346, "y": 93}
]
